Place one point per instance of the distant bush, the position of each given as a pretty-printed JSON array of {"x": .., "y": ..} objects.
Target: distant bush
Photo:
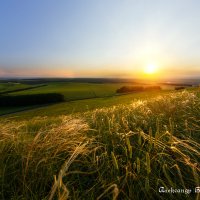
[
  {"x": 179, "y": 88},
  {"x": 126, "y": 89},
  {"x": 26, "y": 100},
  {"x": 130, "y": 89}
]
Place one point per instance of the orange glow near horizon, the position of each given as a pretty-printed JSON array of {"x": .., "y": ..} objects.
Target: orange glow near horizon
[{"x": 153, "y": 71}]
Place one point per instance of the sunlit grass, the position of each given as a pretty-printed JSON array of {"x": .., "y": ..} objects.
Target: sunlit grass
[{"x": 119, "y": 152}]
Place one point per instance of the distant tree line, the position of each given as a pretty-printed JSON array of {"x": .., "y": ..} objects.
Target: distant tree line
[
  {"x": 33, "y": 99},
  {"x": 179, "y": 88},
  {"x": 126, "y": 89}
]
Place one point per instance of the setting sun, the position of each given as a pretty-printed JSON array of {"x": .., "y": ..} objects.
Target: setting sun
[{"x": 150, "y": 69}]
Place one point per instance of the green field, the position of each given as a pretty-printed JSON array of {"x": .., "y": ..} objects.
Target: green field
[
  {"x": 98, "y": 145},
  {"x": 74, "y": 91},
  {"x": 10, "y": 86},
  {"x": 77, "y": 106},
  {"x": 71, "y": 92}
]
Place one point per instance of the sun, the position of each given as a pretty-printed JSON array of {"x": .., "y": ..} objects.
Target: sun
[{"x": 150, "y": 69}]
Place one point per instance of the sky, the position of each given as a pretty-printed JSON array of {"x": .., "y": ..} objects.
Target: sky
[{"x": 99, "y": 38}]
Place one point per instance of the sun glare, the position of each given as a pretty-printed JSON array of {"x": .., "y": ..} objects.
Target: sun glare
[{"x": 150, "y": 69}]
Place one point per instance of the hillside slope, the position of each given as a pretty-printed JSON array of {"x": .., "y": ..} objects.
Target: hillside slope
[{"x": 120, "y": 152}]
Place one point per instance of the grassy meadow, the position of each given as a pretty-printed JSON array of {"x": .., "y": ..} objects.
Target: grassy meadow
[
  {"x": 99, "y": 145},
  {"x": 78, "y": 96}
]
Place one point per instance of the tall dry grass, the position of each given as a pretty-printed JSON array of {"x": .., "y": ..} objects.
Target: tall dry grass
[{"x": 121, "y": 152}]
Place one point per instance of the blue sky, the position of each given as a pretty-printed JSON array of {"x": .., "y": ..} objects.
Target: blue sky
[{"x": 98, "y": 38}]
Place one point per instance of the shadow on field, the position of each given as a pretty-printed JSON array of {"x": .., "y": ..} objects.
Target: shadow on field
[{"x": 34, "y": 99}]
